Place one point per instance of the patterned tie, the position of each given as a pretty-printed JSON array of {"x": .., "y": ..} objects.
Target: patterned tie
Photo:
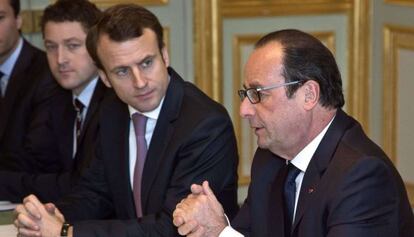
[
  {"x": 140, "y": 122},
  {"x": 78, "y": 121},
  {"x": 290, "y": 193}
]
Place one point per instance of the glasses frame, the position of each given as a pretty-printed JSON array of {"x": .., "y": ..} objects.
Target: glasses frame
[{"x": 248, "y": 92}]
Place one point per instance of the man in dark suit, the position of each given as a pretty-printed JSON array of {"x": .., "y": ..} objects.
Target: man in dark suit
[
  {"x": 315, "y": 173},
  {"x": 157, "y": 135},
  {"x": 26, "y": 86},
  {"x": 54, "y": 154}
]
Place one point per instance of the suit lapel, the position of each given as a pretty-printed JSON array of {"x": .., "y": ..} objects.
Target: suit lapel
[
  {"x": 162, "y": 134},
  {"x": 16, "y": 81},
  {"x": 66, "y": 127},
  {"x": 115, "y": 122},
  {"x": 319, "y": 163},
  {"x": 276, "y": 217}
]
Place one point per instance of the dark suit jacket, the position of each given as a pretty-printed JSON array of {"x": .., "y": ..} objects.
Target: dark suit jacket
[
  {"x": 31, "y": 88},
  {"x": 193, "y": 141},
  {"x": 49, "y": 151},
  {"x": 350, "y": 188}
]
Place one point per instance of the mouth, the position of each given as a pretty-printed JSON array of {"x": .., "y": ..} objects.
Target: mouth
[
  {"x": 145, "y": 95},
  {"x": 64, "y": 72}
]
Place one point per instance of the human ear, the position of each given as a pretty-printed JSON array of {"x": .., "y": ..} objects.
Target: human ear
[
  {"x": 104, "y": 78},
  {"x": 311, "y": 94}
]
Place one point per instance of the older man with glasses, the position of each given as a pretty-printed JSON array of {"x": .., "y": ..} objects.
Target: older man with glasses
[{"x": 315, "y": 172}]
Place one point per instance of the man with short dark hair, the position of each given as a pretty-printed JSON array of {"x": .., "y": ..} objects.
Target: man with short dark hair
[
  {"x": 157, "y": 135},
  {"x": 59, "y": 148},
  {"x": 315, "y": 173},
  {"x": 26, "y": 86}
]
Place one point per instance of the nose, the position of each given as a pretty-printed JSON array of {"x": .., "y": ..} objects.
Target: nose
[
  {"x": 61, "y": 56},
  {"x": 138, "y": 80},
  {"x": 246, "y": 108}
]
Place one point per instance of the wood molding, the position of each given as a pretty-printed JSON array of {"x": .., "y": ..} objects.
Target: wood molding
[
  {"x": 409, "y": 3},
  {"x": 108, "y": 3},
  {"x": 207, "y": 48},
  {"x": 395, "y": 38},
  {"x": 31, "y": 21}
]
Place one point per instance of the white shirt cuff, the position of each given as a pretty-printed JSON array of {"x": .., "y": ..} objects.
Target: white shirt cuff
[{"x": 229, "y": 231}]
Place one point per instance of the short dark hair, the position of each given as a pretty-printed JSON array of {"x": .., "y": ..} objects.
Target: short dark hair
[
  {"x": 306, "y": 58},
  {"x": 121, "y": 23},
  {"x": 82, "y": 11},
  {"x": 15, "y": 4}
]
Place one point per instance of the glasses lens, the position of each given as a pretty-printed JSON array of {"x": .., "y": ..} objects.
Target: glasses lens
[
  {"x": 253, "y": 95},
  {"x": 242, "y": 94}
]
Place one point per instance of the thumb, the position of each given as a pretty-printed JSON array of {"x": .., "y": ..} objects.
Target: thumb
[
  {"x": 196, "y": 189},
  {"x": 207, "y": 191}
]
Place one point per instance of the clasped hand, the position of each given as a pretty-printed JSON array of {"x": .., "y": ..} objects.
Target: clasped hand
[
  {"x": 200, "y": 214},
  {"x": 35, "y": 219}
]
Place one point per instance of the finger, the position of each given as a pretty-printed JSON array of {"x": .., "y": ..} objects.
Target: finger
[
  {"x": 199, "y": 231},
  {"x": 24, "y": 221},
  {"x": 207, "y": 190},
  {"x": 187, "y": 227},
  {"x": 178, "y": 221},
  {"x": 28, "y": 233},
  {"x": 32, "y": 210},
  {"x": 196, "y": 189},
  {"x": 34, "y": 200},
  {"x": 19, "y": 209},
  {"x": 59, "y": 215},
  {"x": 50, "y": 208}
]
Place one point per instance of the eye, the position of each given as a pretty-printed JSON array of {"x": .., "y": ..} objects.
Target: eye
[
  {"x": 122, "y": 72},
  {"x": 147, "y": 63},
  {"x": 50, "y": 47},
  {"x": 73, "y": 46}
]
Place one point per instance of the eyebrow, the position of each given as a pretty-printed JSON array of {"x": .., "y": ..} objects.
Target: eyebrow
[
  {"x": 254, "y": 84},
  {"x": 152, "y": 56},
  {"x": 72, "y": 39}
]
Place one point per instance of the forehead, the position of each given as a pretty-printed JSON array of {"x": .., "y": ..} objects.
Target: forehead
[
  {"x": 129, "y": 51},
  {"x": 64, "y": 30},
  {"x": 5, "y": 6},
  {"x": 265, "y": 65}
]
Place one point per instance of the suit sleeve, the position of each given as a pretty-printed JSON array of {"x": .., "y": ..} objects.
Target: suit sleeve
[
  {"x": 208, "y": 153},
  {"x": 366, "y": 203},
  {"x": 14, "y": 186}
]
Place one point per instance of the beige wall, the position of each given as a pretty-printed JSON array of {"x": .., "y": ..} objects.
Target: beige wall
[{"x": 209, "y": 41}]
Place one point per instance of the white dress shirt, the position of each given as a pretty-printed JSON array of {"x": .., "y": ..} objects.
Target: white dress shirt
[{"x": 301, "y": 161}]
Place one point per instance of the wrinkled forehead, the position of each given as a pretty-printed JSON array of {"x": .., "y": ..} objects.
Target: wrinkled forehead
[{"x": 264, "y": 66}]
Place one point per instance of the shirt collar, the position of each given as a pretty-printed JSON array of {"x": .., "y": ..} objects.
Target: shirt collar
[
  {"x": 302, "y": 159},
  {"x": 86, "y": 95},
  {"x": 8, "y": 65},
  {"x": 153, "y": 114}
]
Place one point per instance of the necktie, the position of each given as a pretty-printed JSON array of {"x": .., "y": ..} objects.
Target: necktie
[
  {"x": 78, "y": 121},
  {"x": 1, "y": 84},
  {"x": 289, "y": 194},
  {"x": 140, "y": 122},
  {"x": 1, "y": 89}
]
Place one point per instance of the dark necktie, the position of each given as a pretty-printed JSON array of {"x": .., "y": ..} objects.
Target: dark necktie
[
  {"x": 1, "y": 89},
  {"x": 78, "y": 121},
  {"x": 1, "y": 84},
  {"x": 140, "y": 122},
  {"x": 289, "y": 194}
]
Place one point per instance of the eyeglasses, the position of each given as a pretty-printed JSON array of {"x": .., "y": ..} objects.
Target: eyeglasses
[{"x": 254, "y": 93}]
